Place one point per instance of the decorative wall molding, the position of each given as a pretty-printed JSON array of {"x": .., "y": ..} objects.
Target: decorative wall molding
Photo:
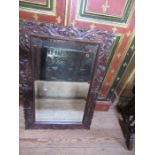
[
  {"x": 47, "y": 7},
  {"x": 100, "y": 12},
  {"x": 104, "y": 15},
  {"x": 43, "y": 10},
  {"x": 121, "y": 71}
]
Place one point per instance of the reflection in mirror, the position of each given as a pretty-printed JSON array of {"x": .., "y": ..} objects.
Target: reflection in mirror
[
  {"x": 62, "y": 75},
  {"x": 60, "y": 101}
]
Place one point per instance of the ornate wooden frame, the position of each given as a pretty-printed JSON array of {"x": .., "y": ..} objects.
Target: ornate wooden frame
[{"x": 27, "y": 29}]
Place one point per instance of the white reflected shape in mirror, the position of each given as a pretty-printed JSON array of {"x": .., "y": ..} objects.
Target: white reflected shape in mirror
[{"x": 60, "y": 101}]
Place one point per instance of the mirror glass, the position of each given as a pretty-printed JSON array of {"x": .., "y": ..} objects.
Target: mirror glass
[{"x": 62, "y": 72}]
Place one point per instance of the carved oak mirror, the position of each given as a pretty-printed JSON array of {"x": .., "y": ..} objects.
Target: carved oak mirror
[{"x": 62, "y": 73}]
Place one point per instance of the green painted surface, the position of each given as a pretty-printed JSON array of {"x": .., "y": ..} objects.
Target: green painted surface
[
  {"x": 38, "y": 6},
  {"x": 122, "y": 69},
  {"x": 123, "y": 19}
]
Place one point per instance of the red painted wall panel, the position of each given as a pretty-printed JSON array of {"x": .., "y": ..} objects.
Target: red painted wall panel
[{"x": 111, "y": 15}]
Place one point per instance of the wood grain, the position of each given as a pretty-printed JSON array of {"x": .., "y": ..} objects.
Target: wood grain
[{"x": 104, "y": 138}]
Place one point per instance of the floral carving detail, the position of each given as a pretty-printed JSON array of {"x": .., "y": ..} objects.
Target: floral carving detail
[{"x": 104, "y": 38}]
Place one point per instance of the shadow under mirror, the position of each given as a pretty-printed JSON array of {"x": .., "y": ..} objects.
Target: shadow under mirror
[{"x": 62, "y": 73}]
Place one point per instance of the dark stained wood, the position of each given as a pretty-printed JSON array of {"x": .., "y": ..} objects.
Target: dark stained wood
[
  {"x": 127, "y": 119},
  {"x": 99, "y": 37}
]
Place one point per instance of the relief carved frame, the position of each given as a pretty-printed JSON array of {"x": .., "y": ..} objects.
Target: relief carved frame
[{"x": 99, "y": 37}]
